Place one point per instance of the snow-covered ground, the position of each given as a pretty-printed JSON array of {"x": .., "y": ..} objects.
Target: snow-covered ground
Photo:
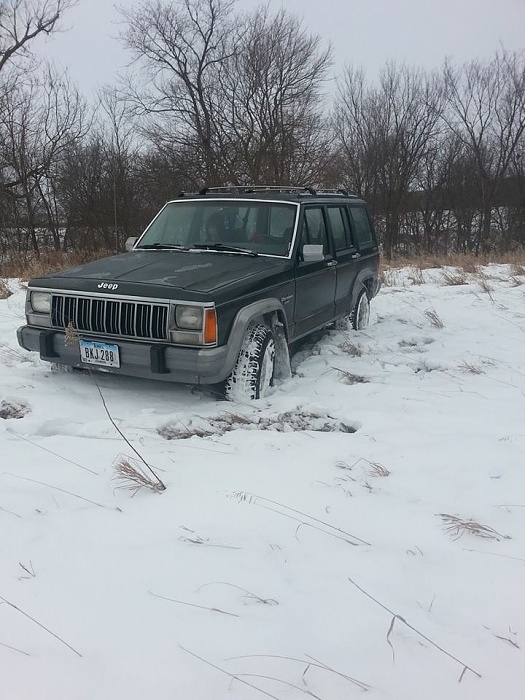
[{"x": 361, "y": 532}]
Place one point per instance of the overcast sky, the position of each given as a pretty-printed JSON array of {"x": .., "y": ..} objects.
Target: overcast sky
[{"x": 362, "y": 32}]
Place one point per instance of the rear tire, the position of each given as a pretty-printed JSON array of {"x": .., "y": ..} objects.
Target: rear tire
[
  {"x": 360, "y": 315},
  {"x": 252, "y": 376}
]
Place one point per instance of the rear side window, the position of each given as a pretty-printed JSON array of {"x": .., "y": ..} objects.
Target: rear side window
[
  {"x": 314, "y": 228},
  {"x": 339, "y": 225},
  {"x": 362, "y": 227}
]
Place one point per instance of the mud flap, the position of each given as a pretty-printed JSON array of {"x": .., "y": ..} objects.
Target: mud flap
[{"x": 282, "y": 355}]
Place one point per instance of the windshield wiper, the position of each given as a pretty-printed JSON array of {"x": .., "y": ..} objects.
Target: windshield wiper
[
  {"x": 162, "y": 246},
  {"x": 224, "y": 247}
]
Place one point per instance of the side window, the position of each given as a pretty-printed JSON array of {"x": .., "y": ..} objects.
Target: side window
[
  {"x": 362, "y": 227},
  {"x": 339, "y": 225},
  {"x": 314, "y": 228}
]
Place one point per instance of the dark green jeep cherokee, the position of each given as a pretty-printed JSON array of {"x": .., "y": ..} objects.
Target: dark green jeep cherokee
[{"x": 215, "y": 291}]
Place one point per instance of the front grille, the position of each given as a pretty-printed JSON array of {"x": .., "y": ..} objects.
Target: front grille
[{"x": 130, "y": 319}]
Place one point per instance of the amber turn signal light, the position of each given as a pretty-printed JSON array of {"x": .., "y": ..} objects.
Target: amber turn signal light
[{"x": 210, "y": 327}]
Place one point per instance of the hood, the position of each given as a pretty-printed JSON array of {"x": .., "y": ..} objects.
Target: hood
[{"x": 156, "y": 273}]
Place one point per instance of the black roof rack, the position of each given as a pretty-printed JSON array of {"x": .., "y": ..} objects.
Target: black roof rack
[
  {"x": 284, "y": 189},
  {"x": 247, "y": 189}
]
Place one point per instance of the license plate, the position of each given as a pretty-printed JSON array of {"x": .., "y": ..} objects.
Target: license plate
[{"x": 102, "y": 354}]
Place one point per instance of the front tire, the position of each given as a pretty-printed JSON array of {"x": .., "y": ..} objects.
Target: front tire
[{"x": 252, "y": 376}]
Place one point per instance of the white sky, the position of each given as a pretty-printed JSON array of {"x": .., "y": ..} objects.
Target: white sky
[{"x": 362, "y": 32}]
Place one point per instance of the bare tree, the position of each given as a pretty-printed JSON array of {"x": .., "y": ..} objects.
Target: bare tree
[
  {"x": 119, "y": 136},
  {"x": 384, "y": 133},
  {"x": 38, "y": 122},
  {"x": 486, "y": 110},
  {"x": 180, "y": 49},
  {"x": 274, "y": 86},
  {"x": 23, "y": 20}
]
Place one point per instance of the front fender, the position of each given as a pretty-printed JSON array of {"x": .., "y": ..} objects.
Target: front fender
[{"x": 241, "y": 322}]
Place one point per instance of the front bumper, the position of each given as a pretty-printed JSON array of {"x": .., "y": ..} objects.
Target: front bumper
[{"x": 164, "y": 362}]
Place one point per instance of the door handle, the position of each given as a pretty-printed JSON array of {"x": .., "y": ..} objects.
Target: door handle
[
  {"x": 354, "y": 256},
  {"x": 331, "y": 263}
]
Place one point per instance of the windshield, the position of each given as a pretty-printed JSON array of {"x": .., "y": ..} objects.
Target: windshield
[{"x": 251, "y": 226}]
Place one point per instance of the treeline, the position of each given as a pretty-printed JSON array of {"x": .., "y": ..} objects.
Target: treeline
[{"x": 215, "y": 96}]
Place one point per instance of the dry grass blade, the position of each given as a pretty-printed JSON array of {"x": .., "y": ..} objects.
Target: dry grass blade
[
  {"x": 131, "y": 476},
  {"x": 469, "y": 368},
  {"x": 350, "y": 378},
  {"x": 28, "y": 569},
  {"x": 312, "y": 662},
  {"x": 414, "y": 629},
  {"x": 230, "y": 675},
  {"x": 280, "y": 680},
  {"x": 507, "y": 639},
  {"x": 20, "y": 651},
  {"x": 376, "y": 469},
  {"x": 56, "y": 454},
  {"x": 434, "y": 319},
  {"x": 493, "y": 554},
  {"x": 15, "y": 607},
  {"x": 390, "y": 630},
  {"x": 245, "y": 497},
  {"x": 193, "y": 605},
  {"x": 457, "y": 527},
  {"x": 57, "y": 488},
  {"x": 416, "y": 275},
  {"x": 248, "y": 594},
  {"x": 484, "y": 284},
  {"x": 11, "y": 512}
]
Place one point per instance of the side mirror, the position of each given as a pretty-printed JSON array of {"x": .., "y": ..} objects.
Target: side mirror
[
  {"x": 130, "y": 242},
  {"x": 313, "y": 253}
]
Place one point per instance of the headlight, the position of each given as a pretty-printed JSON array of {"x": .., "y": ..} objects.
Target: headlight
[
  {"x": 189, "y": 317},
  {"x": 41, "y": 302}
]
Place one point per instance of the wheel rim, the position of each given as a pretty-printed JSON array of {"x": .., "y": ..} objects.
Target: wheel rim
[
  {"x": 363, "y": 312},
  {"x": 267, "y": 367}
]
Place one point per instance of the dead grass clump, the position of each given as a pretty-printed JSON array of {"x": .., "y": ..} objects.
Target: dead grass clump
[
  {"x": 350, "y": 378},
  {"x": 377, "y": 469},
  {"x": 423, "y": 262},
  {"x": 373, "y": 469},
  {"x": 28, "y": 265},
  {"x": 416, "y": 275},
  {"x": 469, "y": 262},
  {"x": 434, "y": 319},
  {"x": 5, "y": 292},
  {"x": 517, "y": 270},
  {"x": 291, "y": 421},
  {"x": 454, "y": 278},
  {"x": 483, "y": 282},
  {"x": 388, "y": 277},
  {"x": 470, "y": 368},
  {"x": 13, "y": 409},
  {"x": 130, "y": 475},
  {"x": 351, "y": 349},
  {"x": 457, "y": 527}
]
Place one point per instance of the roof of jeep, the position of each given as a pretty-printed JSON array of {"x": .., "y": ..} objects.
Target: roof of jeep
[{"x": 272, "y": 192}]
